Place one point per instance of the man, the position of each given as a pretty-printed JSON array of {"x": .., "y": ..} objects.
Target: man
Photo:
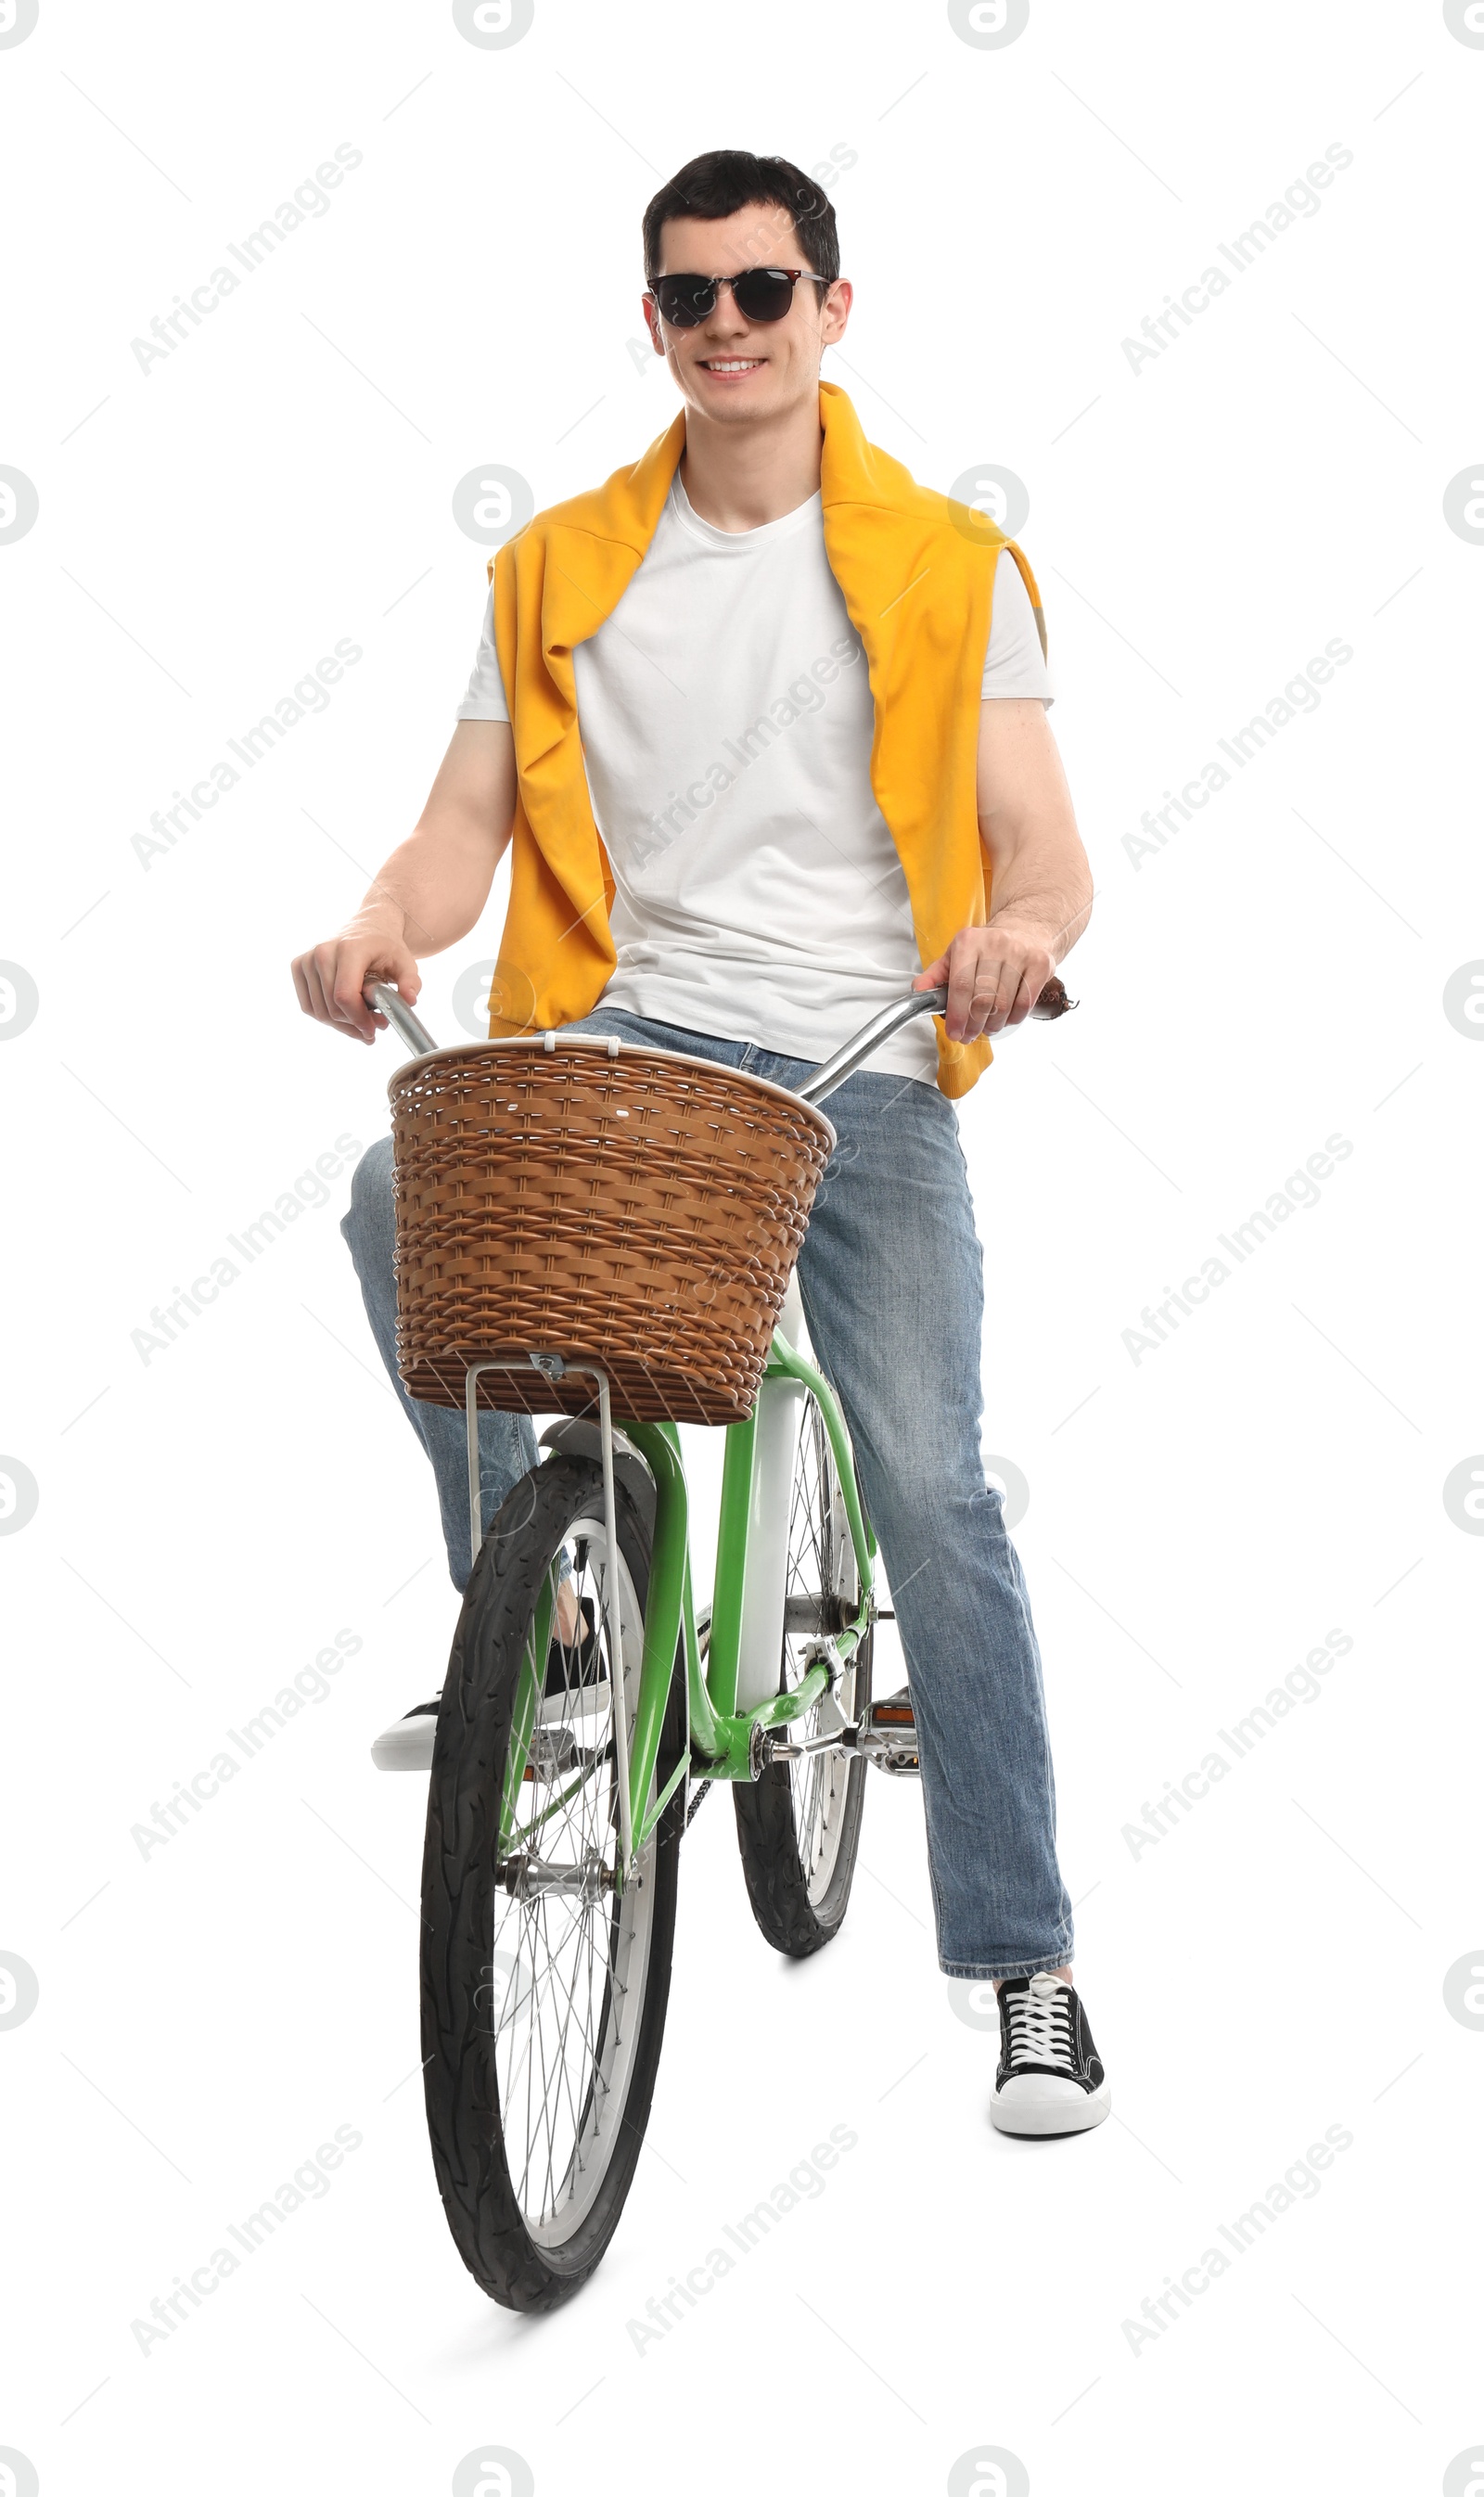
[{"x": 765, "y": 723}]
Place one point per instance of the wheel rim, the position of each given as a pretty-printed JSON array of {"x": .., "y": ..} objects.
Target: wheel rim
[
  {"x": 567, "y": 1973},
  {"x": 821, "y": 1565}
]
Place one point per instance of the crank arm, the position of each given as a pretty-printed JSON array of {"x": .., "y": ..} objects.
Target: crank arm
[{"x": 884, "y": 1747}]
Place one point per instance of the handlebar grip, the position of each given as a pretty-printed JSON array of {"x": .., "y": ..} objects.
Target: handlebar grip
[
  {"x": 1051, "y": 1002},
  {"x": 400, "y": 1017}
]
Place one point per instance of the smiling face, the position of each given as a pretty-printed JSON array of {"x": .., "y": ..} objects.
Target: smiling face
[{"x": 731, "y": 370}]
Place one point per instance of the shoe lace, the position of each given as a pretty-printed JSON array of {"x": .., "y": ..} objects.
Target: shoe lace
[{"x": 1041, "y": 2025}]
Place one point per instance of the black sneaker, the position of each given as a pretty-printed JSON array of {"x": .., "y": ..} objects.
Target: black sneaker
[
  {"x": 1049, "y": 2078},
  {"x": 409, "y": 1743}
]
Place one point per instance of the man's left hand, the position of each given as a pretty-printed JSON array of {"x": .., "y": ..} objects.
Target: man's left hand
[{"x": 993, "y": 976}]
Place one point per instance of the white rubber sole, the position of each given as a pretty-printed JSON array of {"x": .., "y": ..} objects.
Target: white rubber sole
[
  {"x": 409, "y": 1743},
  {"x": 1041, "y": 2118},
  {"x": 406, "y": 1745}
]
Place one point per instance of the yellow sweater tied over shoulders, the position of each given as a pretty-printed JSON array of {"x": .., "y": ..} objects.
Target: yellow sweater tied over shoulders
[{"x": 917, "y": 576}]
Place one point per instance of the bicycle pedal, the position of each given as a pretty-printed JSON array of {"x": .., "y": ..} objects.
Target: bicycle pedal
[
  {"x": 895, "y": 1711},
  {"x": 553, "y": 1752},
  {"x": 889, "y": 1736}
]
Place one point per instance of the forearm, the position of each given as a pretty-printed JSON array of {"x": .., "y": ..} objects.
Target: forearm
[
  {"x": 433, "y": 887},
  {"x": 1038, "y": 876},
  {"x": 1036, "y": 870},
  {"x": 431, "y": 891},
  {"x": 1038, "y": 881}
]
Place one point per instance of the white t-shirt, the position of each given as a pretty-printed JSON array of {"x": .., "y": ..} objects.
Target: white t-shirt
[{"x": 726, "y": 720}]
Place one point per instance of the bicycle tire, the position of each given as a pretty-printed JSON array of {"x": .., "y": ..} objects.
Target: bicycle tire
[
  {"x": 520, "y": 2258},
  {"x": 798, "y": 1898}
]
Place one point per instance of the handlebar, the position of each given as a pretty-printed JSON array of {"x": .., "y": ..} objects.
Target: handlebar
[
  {"x": 1051, "y": 1002},
  {"x": 400, "y": 1017}
]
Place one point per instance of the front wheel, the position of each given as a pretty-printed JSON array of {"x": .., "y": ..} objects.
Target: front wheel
[
  {"x": 799, "y": 1826},
  {"x": 545, "y": 1984}
]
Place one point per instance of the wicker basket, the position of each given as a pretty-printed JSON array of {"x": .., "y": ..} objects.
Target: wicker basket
[{"x": 638, "y": 1209}]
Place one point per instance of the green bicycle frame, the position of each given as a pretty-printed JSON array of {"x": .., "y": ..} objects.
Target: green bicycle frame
[{"x": 723, "y": 1743}]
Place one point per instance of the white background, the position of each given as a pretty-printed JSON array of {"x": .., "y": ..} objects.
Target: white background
[{"x": 1199, "y": 1520}]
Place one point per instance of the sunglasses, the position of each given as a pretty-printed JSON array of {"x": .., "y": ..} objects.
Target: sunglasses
[{"x": 759, "y": 295}]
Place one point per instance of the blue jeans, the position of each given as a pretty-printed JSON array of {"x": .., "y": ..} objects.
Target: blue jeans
[{"x": 891, "y": 1276}]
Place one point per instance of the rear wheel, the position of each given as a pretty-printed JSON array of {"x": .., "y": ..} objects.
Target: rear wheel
[
  {"x": 543, "y": 1984},
  {"x": 799, "y": 1825}
]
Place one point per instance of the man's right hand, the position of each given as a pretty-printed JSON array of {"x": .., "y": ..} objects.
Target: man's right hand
[{"x": 332, "y": 979}]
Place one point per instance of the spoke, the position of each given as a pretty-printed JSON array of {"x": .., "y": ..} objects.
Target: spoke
[
  {"x": 544, "y": 1988},
  {"x": 560, "y": 2042},
  {"x": 820, "y": 1558},
  {"x": 587, "y": 2036},
  {"x": 564, "y": 2081}
]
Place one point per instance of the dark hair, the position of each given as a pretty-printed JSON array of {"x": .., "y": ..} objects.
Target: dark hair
[{"x": 727, "y": 179}]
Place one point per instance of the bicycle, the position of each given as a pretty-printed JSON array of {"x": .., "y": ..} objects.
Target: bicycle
[{"x": 559, "y": 1787}]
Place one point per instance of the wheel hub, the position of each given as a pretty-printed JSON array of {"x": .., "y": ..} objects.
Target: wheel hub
[{"x": 526, "y": 1877}]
